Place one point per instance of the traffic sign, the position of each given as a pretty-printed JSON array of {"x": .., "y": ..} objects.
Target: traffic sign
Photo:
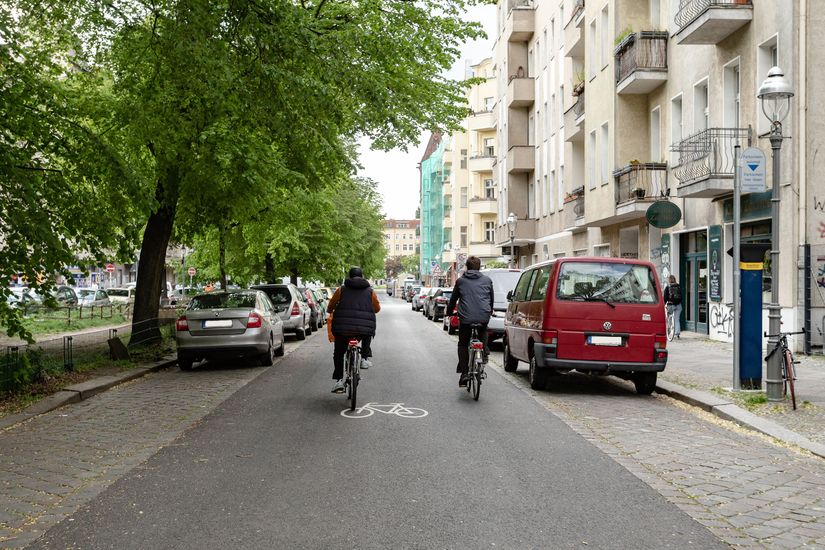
[
  {"x": 191, "y": 271},
  {"x": 437, "y": 270},
  {"x": 110, "y": 268},
  {"x": 753, "y": 170},
  {"x": 433, "y": 263}
]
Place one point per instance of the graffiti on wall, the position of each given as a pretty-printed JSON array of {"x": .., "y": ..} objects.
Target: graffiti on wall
[{"x": 721, "y": 320}]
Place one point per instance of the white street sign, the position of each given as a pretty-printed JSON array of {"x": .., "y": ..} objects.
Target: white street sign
[{"x": 753, "y": 170}]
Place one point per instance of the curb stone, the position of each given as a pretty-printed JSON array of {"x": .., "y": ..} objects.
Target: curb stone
[
  {"x": 727, "y": 410},
  {"x": 78, "y": 392}
]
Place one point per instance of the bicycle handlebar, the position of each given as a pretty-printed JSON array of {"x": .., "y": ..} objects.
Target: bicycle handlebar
[{"x": 781, "y": 334}]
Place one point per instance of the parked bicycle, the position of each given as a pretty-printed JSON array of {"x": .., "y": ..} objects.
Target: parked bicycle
[
  {"x": 352, "y": 370},
  {"x": 671, "y": 321},
  {"x": 787, "y": 362},
  {"x": 475, "y": 372}
]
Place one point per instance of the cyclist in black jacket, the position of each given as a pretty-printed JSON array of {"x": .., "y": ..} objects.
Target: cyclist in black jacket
[{"x": 474, "y": 294}]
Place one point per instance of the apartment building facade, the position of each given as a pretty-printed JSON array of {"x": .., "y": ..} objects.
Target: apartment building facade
[
  {"x": 671, "y": 90},
  {"x": 402, "y": 237}
]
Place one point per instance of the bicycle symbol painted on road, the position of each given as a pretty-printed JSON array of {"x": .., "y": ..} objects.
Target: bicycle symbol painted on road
[{"x": 398, "y": 409}]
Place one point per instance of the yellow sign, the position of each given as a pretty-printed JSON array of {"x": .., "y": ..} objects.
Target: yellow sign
[{"x": 751, "y": 266}]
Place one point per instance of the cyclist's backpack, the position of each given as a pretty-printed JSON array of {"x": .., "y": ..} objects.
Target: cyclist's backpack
[{"x": 675, "y": 293}]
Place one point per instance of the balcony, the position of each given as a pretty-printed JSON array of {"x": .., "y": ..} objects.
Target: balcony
[
  {"x": 521, "y": 92},
  {"x": 705, "y": 168},
  {"x": 480, "y": 206},
  {"x": 710, "y": 21},
  {"x": 480, "y": 121},
  {"x": 637, "y": 186},
  {"x": 641, "y": 62},
  {"x": 574, "y": 121},
  {"x": 521, "y": 158},
  {"x": 481, "y": 162},
  {"x": 525, "y": 234},
  {"x": 447, "y": 223},
  {"x": 484, "y": 249},
  {"x": 520, "y": 21},
  {"x": 577, "y": 16},
  {"x": 574, "y": 212},
  {"x": 574, "y": 38}
]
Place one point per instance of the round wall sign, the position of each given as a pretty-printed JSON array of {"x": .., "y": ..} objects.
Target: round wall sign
[{"x": 663, "y": 214}]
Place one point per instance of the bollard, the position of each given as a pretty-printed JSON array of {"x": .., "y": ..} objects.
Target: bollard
[{"x": 68, "y": 361}]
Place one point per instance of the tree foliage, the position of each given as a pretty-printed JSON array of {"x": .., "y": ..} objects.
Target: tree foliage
[{"x": 186, "y": 114}]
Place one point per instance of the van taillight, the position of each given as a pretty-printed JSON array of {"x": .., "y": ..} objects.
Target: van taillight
[
  {"x": 660, "y": 341},
  {"x": 661, "y": 355},
  {"x": 550, "y": 337},
  {"x": 182, "y": 323},
  {"x": 295, "y": 309}
]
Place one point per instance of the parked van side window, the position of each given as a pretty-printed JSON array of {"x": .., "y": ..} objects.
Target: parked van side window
[
  {"x": 540, "y": 286},
  {"x": 523, "y": 285}
]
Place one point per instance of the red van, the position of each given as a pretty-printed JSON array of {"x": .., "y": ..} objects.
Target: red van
[{"x": 593, "y": 315}]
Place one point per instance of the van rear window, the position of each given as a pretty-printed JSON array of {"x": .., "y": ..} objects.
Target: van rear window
[{"x": 614, "y": 282}]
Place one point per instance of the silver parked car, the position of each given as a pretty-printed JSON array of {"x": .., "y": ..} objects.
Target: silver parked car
[
  {"x": 227, "y": 324},
  {"x": 292, "y": 308},
  {"x": 87, "y": 297},
  {"x": 504, "y": 280}
]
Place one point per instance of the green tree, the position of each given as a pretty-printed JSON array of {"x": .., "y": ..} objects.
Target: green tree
[
  {"x": 205, "y": 104},
  {"x": 411, "y": 264}
]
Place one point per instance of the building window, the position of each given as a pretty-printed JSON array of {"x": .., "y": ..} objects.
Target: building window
[
  {"x": 489, "y": 189},
  {"x": 607, "y": 41},
  {"x": 397, "y": 247},
  {"x": 463, "y": 197},
  {"x": 591, "y": 65},
  {"x": 676, "y": 125},
  {"x": 766, "y": 57},
  {"x": 701, "y": 109},
  {"x": 489, "y": 102},
  {"x": 655, "y": 135},
  {"x": 591, "y": 172},
  {"x": 602, "y": 250},
  {"x": 462, "y": 235},
  {"x": 464, "y": 159},
  {"x": 490, "y": 231},
  {"x": 731, "y": 95},
  {"x": 605, "y": 153},
  {"x": 489, "y": 147}
]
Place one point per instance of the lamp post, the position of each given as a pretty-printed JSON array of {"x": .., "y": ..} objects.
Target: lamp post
[
  {"x": 775, "y": 93},
  {"x": 512, "y": 220}
]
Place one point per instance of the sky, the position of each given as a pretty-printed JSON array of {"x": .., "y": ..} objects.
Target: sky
[{"x": 396, "y": 171}]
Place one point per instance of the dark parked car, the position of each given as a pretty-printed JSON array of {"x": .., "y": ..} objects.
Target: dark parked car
[
  {"x": 316, "y": 319},
  {"x": 292, "y": 309}
]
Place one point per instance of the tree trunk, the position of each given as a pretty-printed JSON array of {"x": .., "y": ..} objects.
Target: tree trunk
[
  {"x": 222, "y": 256},
  {"x": 293, "y": 275},
  {"x": 152, "y": 262},
  {"x": 269, "y": 269}
]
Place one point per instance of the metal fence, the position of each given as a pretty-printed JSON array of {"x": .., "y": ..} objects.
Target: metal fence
[
  {"x": 709, "y": 153},
  {"x": 641, "y": 51},
  {"x": 77, "y": 313},
  {"x": 640, "y": 181},
  {"x": 689, "y": 10},
  {"x": 24, "y": 364}
]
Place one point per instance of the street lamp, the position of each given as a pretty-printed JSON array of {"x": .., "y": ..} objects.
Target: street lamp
[
  {"x": 775, "y": 93},
  {"x": 512, "y": 220}
]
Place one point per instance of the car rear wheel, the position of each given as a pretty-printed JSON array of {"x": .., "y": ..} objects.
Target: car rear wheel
[
  {"x": 538, "y": 377},
  {"x": 300, "y": 334},
  {"x": 184, "y": 362},
  {"x": 444, "y": 325},
  {"x": 281, "y": 349},
  {"x": 510, "y": 362},
  {"x": 266, "y": 359},
  {"x": 645, "y": 382}
]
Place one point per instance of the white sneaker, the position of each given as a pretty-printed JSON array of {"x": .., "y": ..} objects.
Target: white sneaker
[
  {"x": 366, "y": 363},
  {"x": 338, "y": 387}
]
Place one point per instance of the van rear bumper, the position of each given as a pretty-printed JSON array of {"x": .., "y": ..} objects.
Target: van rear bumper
[{"x": 546, "y": 358}]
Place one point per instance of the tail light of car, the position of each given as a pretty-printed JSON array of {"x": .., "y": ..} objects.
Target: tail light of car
[
  {"x": 254, "y": 321},
  {"x": 550, "y": 337},
  {"x": 441, "y": 300},
  {"x": 295, "y": 309},
  {"x": 182, "y": 323},
  {"x": 660, "y": 341}
]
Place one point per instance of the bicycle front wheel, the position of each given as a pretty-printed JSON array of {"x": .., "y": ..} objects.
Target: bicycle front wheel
[
  {"x": 671, "y": 326},
  {"x": 790, "y": 374}
]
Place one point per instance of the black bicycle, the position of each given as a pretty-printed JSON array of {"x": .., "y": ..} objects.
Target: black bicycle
[
  {"x": 475, "y": 371},
  {"x": 352, "y": 371},
  {"x": 787, "y": 362}
]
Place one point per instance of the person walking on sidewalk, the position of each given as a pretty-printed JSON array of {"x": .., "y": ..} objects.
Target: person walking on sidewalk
[
  {"x": 673, "y": 299},
  {"x": 353, "y": 308},
  {"x": 474, "y": 294}
]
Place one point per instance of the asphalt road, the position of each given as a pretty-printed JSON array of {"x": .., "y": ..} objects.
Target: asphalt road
[{"x": 277, "y": 466}]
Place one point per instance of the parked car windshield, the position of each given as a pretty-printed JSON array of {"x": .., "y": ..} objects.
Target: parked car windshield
[
  {"x": 614, "y": 282},
  {"x": 223, "y": 301},
  {"x": 279, "y": 296}
]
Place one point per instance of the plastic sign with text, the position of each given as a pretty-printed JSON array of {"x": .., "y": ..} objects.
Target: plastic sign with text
[
  {"x": 663, "y": 214},
  {"x": 753, "y": 170}
]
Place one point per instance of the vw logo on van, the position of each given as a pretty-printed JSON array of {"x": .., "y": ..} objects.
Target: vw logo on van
[{"x": 607, "y": 325}]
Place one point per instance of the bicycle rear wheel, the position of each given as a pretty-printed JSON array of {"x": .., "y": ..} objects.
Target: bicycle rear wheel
[
  {"x": 354, "y": 358},
  {"x": 671, "y": 326},
  {"x": 470, "y": 373},
  {"x": 790, "y": 374},
  {"x": 477, "y": 385}
]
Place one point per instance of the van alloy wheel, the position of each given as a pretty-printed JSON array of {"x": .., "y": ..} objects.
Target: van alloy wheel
[
  {"x": 538, "y": 377},
  {"x": 510, "y": 362}
]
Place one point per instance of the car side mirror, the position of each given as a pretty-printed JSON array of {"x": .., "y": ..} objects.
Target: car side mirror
[{"x": 509, "y": 295}]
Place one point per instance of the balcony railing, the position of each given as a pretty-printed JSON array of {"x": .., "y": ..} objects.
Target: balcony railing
[
  {"x": 709, "y": 153},
  {"x": 689, "y": 10},
  {"x": 641, "y": 181},
  {"x": 578, "y": 107},
  {"x": 578, "y": 9},
  {"x": 641, "y": 51}
]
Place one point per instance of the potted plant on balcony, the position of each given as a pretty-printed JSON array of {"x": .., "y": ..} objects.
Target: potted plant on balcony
[
  {"x": 637, "y": 193},
  {"x": 578, "y": 83}
]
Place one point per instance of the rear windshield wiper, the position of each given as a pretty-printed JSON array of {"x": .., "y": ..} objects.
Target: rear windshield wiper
[{"x": 597, "y": 299}]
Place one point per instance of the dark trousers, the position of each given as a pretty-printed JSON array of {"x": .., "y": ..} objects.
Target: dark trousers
[
  {"x": 465, "y": 332},
  {"x": 341, "y": 345}
]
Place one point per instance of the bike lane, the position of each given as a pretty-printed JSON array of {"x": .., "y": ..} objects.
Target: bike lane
[{"x": 277, "y": 465}]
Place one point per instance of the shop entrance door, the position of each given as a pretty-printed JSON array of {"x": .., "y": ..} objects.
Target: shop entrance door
[{"x": 695, "y": 282}]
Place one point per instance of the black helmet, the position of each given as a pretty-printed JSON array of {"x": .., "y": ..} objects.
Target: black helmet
[{"x": 355, "y": 271}]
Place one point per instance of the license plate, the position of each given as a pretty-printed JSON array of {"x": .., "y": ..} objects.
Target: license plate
[
  {"x": 604, "y": 340},
  {"x": 217, "y": 323}
]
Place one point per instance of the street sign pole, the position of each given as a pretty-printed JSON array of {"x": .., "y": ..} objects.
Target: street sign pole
[{"x": 737, "y": 196}]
